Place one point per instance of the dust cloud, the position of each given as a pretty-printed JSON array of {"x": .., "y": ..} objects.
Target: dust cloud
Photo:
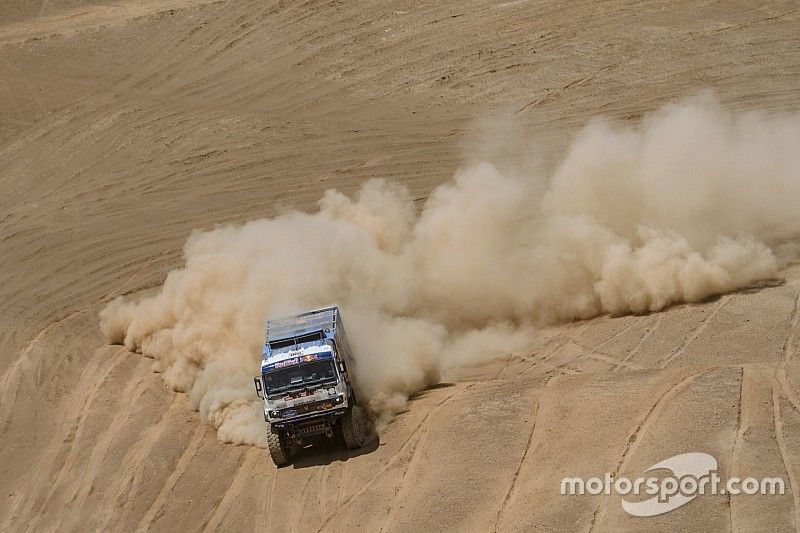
[{"x": 689, "y": 203}]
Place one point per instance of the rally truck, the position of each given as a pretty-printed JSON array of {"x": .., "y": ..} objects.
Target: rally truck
[{"x": 305, "y": 383}]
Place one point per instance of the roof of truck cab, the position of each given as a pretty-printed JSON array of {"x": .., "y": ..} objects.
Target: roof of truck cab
[{"x": 302, "y": 324}]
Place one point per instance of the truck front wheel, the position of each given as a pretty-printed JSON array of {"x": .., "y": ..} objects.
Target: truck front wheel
[
  {"x": 277, "y": 449},
  {"x": 355, "y": 427}
]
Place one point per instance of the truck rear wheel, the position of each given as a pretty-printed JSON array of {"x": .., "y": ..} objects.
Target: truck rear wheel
[
  {"x": 355, "y": 427},
  {"x": 277, "y": 449}
]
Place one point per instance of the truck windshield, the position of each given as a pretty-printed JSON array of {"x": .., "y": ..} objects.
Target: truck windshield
[{"x": 298, "y": 376}]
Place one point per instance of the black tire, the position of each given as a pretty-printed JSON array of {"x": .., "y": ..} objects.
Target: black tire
[
  {"x": 277, "y": 449},
  {"x": 355, "y": 427}
]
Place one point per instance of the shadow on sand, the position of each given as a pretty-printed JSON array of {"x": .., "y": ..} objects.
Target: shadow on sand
[{"x": 321, "y": 451}]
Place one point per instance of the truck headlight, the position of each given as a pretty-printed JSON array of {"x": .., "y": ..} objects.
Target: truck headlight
[
  {"x": 274, "y": 414},
  {"x": 339, "y": 399}
]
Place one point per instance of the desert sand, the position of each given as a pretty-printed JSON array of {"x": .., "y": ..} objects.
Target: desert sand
[{"x": 126, "y": 125}]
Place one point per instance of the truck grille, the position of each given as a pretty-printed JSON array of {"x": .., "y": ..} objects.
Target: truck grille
[
  {"x": 312, "y": 429},
  {"x": 307, "y": 408}
]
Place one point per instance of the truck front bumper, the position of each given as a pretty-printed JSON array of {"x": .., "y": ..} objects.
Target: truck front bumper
[{"x": 318, "y": 423}]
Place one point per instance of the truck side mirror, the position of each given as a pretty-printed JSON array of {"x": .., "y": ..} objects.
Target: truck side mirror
[
  {"x": 257, "y": 382},
  {"x": 342, "y": 368}
]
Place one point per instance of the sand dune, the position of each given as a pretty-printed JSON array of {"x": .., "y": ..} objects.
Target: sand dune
[{"x": 124, "y": 126}]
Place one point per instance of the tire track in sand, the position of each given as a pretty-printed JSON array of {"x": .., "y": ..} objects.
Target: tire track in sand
[
  {"x": 790, "y": 343},
  {"x": 641, "y": 428},
  {"x": 790, "y": 352},
  {"x": 89, "y": 474},
  {"x": 73, "y": 457},
  {"x": 132, "y": 465},
  {"x": 394, "y": 458},
  {"x": 511, "y": 488},
  {"x": 593, "y": 353},
  {"x": 8, "y": 391},
  {"x": 180, "y": 468},
  {"x": 777, "y": 422},
  {"x": 737, "y": 437},
  {"x": 235, "y": 487},
  {"x": 556, "y": 347},
  {"x": 625, "y": 361},
  {"x": 404, "y": 488},
  {"x": 298, "y": 514},
  {"x": 266, "y": 511},
  {"x": 89, "y": 386},
  {"x": 704, "y": 322}
]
